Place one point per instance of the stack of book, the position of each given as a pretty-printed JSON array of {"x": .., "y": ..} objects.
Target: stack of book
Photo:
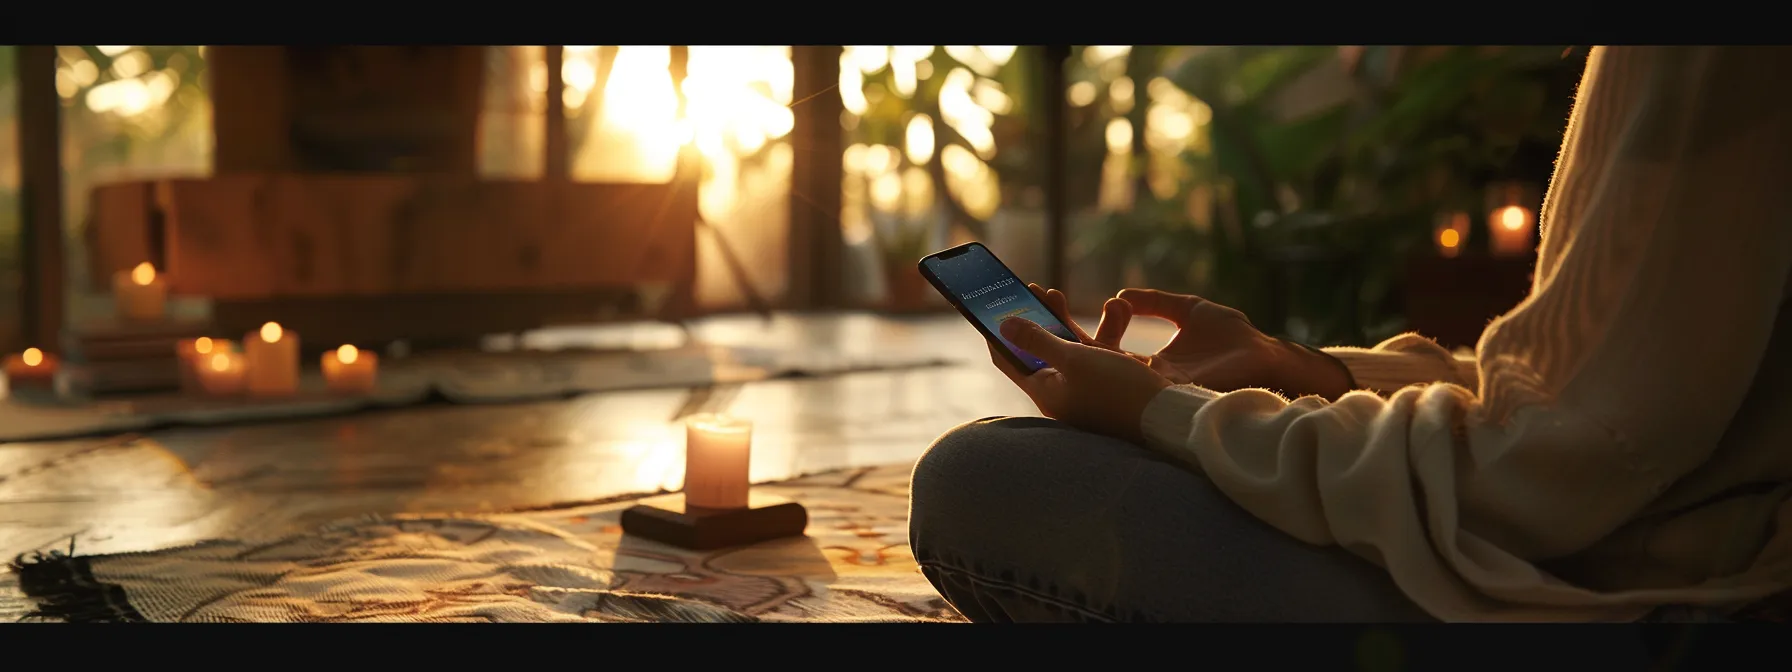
[{"x": 125, "y": 357}]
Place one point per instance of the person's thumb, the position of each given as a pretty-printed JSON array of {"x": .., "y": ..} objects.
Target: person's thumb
[{"x": 1029, "y": 336}]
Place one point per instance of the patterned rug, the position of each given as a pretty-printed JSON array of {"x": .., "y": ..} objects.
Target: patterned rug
[{"x": 546, "y": 566}]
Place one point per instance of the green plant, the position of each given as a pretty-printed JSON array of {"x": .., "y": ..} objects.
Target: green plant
[{"x": 1315, "y": 208}]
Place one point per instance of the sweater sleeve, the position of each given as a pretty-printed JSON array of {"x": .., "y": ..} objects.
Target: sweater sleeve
[
  {"x": 1665, "y": 250},
  {"x": 1407, "y": 359}
]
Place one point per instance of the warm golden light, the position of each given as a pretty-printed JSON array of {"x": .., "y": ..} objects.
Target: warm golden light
[
  {"x": 271, "y": 332},
  {"x": 1512, "y": 217},
  {"x": 143, "y": 274},
  {"x": 1119, "y": 135},
  {"x": 220, "y": 362},
  {"x": 1449, "y": 238},
  {"x": 33, "y": 357},
  {"x": 920, "y": 139},
  {"x": 720, "y": 424},
  {"x": 202, "y": 345},
  {"x": 347, "y": 354}
]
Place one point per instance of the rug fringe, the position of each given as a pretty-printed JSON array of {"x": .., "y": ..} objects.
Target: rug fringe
[{"x": 64, "y": 589}]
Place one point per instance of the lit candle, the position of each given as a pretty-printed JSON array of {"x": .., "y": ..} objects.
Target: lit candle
[
  {"x": 1450, "y": 234},
  {"x": 140, "y": 293},
  {"x": 717, "y": 450},
  {"x": 222, "y": 373},
  {"x": 347, "y": 370},
  {"x": 193, "y": 353},
  {"x": 272, "y": 357},
  {"x": 1509, "y": 231},
  {"x": 33, "y": 370}
]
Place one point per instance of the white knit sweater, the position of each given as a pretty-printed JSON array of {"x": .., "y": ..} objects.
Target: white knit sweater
[{"x": 1623, "y": 438}]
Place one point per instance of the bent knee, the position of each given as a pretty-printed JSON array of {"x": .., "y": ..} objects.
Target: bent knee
[
  {"x": 967, "y": 447},
  {"x": 966, "y": 459}
]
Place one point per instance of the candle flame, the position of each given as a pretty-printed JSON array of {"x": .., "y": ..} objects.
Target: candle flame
[
  {"x": 202, "y": 345},
  {"x": 720, "y": 424},
  {"x": 271, "y": 332},
  {"x": 220, "y": 362},
  {"x": 33, "y": 357},
  {"x": 1512, "y": 217},
  {"x": 1449, "y": 238},
  {"x": 347, "y": 354},
  {"x": 144, "y": 273}
]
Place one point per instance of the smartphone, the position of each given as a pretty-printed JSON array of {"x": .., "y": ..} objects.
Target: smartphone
[{"x": 982, "y": 288}]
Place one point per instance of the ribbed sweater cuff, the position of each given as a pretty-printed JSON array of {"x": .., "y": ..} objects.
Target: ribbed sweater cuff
[{"x": 1405, "y": 360}]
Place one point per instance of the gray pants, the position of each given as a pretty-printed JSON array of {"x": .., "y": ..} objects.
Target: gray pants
[{"x": 1025, "y": 519}]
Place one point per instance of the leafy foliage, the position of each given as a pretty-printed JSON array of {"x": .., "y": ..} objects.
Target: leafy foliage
[{"x": 1317, "y": 208}]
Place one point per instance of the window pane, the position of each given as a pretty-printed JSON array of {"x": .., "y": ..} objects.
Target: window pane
[
  {"x": 513, "y": 124},
  {"x": 128, "y": 113},
  {"x": 622, "y": 126},
  {"x": 941, "y": 149}
]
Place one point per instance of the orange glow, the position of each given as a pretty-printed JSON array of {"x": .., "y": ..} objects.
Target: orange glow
[
  {"x": 202, "y": 345},
  {"x": 271, "y": 332},
  {"x": 33, "y": 357},
  {"x": 347, "y": 354},
  {"x": 1449, "y": 238},
  {"x": 719, "y": 424},
  {"x": 1512, "y": 217},
  {"x": 143, "y": 274},
  {"x": 220, "y": 362}
]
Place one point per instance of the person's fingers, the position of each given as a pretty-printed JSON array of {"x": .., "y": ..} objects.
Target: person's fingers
[
  {"x": 1173, "y": 307},
  {"x": 1116, "y": 314},
  {"x": 1038, "y": 342},
  {"x": 1002, "y": 364},
  {"x": 1060, "y": 306}
]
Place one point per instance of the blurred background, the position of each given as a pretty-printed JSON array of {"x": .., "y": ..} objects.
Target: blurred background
[{"x": 1337, "y": 195}]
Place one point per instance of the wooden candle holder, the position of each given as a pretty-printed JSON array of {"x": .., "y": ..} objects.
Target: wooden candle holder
[{"x": 666, "y": 519}]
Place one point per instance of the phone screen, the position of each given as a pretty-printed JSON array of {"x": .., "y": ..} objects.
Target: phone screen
[{"x": 989, "y": 293}]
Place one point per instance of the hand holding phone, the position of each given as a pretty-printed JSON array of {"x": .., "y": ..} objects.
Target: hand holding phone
[{"x": 986, "y": 292}]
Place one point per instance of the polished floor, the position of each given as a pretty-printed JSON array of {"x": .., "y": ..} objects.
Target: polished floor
[{"x": 166, "y": 488}]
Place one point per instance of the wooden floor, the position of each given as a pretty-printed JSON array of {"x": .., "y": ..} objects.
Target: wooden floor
[{"x": 167, "y": 488}]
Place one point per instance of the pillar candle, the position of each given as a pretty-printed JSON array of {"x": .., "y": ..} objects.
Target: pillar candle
[
  {"x": 272, "y": 357},
  {"x": 32, "y": 370},
  {"x": 140, "y": 293},
  {"x": 1450, "y": 234},
  {"x": 193, "y": 353},
  {"x": 717, "y": 451},
  {"x": 1510, "y": 229},
  {"x": 222, "y": 373},
  {"x": 348, "y": 370}
]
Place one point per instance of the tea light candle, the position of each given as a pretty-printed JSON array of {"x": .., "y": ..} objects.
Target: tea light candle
[
  {"x": 193, "y": 354},
  {"x": 717, "y": 451},
  {"x": 272, "y": 357},
  {"x": 33, "y": 370},
  {"x": 221, "y": 373},
  {"x": 1450, "y": 234},
  {"x": 347, "y": 370},
  {"x": 1509, "y": 231},
  {"x": 140, "y": 293}
]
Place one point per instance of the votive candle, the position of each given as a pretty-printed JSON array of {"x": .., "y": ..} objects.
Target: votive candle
[
  {"x": 140, "y": 293},
  {"x": 33, "y": 370},
  {"x": 349, "y": 370},
  {"x": 1450, "y": 234},
  {"x": 221, "y": 373},
  {"x": 272, "y": 357},
  {"x": 1510, "y": 231},
  {"x": 717, "y": 451},
  {"x": 193, "y": 353}
]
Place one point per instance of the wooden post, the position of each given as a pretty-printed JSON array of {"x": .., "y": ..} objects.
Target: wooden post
[
  {"x": 816, "y": 249},
  {"x": 40, "y": 191},
  {"x": 1057, "y": 154},
  {"x": 554, "y": 146}
]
